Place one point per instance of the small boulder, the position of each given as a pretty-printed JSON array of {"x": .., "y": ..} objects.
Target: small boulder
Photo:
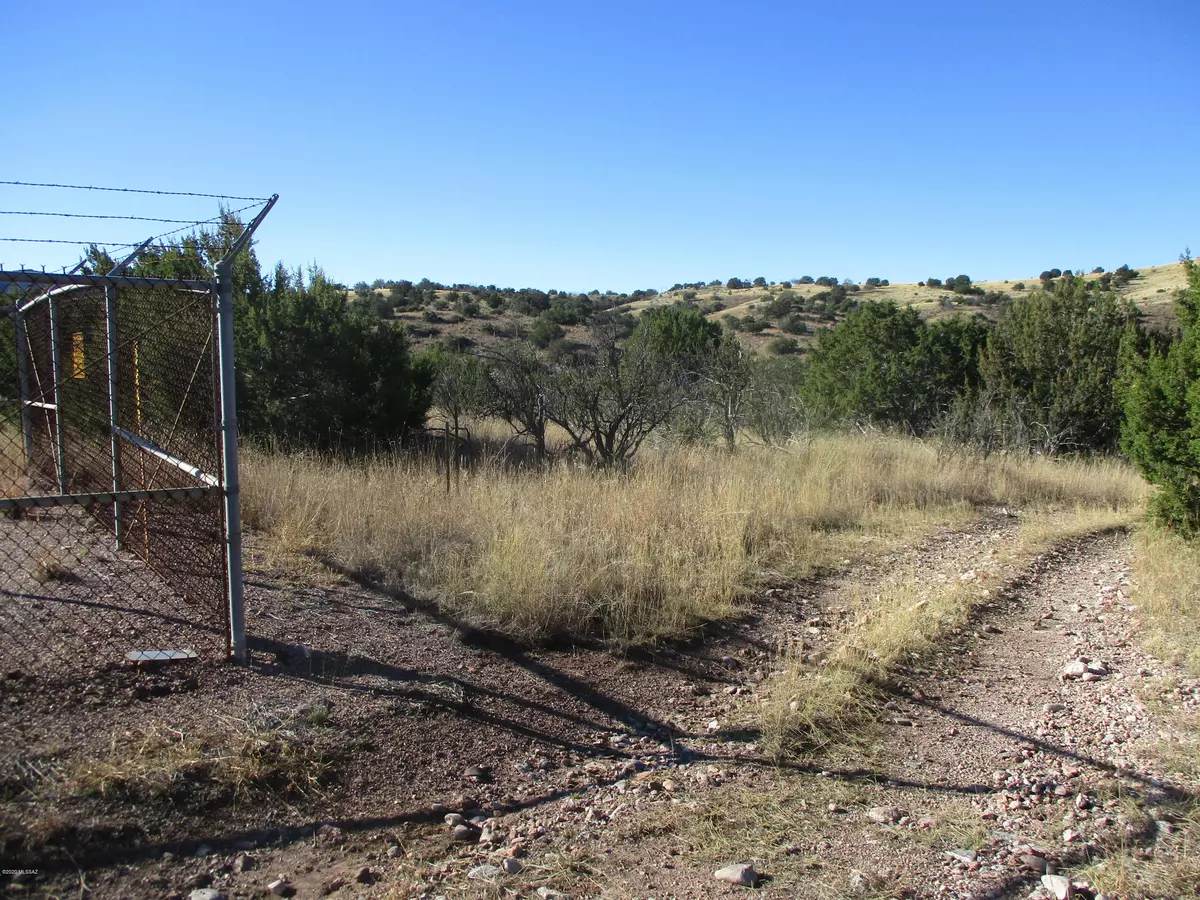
[
  {"x": 206, "y": 894},
  {"x": 1059, "y": 886},
  {"x": 486, "y": 872},
  {"x": 1075, "y": 669},
  {"x": 885, "y": 815},
  {"x": 738, "y": 873},
  {"x": 243, "y": 862},
  {"x": 466, "y": 833},
  {"x": 1034, "y": 863}
]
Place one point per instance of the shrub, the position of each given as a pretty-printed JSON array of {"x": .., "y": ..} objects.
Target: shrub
[
  {"x": 760, "y": 281},
  {"x": 883, "y": 364},
  {"x": 751, "y": 325},
  {"x": 782, "y": 346},
  {"x": 545, "y": 332},
  {"x": 805, "y": 279},
  {"x": 679, "y": 332},
  {"x": 1019, "y": 286},
  {"x": 1122, "y": 275},
  {"x": 1052, "y": 361},
  {"x": 793, "y": 324},
  {"x": 933, "y": 282}
]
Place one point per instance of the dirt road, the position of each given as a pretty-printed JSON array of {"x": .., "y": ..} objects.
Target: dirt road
[{"x": 1028, "y": 744}]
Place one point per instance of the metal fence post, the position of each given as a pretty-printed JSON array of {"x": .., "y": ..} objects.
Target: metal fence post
[
  {"x": 56, "y": 379},
  {"x": 110, "y": 340},
  {"x": 23, "y": 384},
  {"x": 229, "y": 488}
]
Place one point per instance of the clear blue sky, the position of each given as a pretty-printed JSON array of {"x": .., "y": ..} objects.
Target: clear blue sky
[{"x": 580, "y": 145}]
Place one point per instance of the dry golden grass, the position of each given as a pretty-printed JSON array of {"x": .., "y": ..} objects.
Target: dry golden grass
[
  {"x": 655, "y": 552},
  {"x": 1168, "y": 588},
  {"x": 232, "y": 756},
  {"x": 1173, "y": 867}
]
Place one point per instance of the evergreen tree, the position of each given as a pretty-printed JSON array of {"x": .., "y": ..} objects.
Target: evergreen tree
[
  {"x": 1161, "y": 400},
  {"x": 884, "y": 366},
  {"x": 1052, "y": 362}
]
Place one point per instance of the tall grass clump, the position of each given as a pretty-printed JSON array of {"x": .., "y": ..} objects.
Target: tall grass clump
[
  {"x": 1167, "y": 568},
  {"x": 655, "y": 551}
]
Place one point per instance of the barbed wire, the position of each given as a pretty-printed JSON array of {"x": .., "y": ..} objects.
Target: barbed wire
[
  {"x": 153, "y": 240},
  {"x": 89, "y": 187},
  {"x": 15, "y": 212}
]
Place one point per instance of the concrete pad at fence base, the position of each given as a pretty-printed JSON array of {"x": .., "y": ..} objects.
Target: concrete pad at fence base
[{"x": 159, "y": 656}]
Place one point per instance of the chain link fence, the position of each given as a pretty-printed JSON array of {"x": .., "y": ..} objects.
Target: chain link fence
[{"x": 113, "y": 518}]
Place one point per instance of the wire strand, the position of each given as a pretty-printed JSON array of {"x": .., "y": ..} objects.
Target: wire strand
[
  {"x": 89, "y": 187},
  {"x": 13, "y": 212},
  {"x": 116, "y": 246}
]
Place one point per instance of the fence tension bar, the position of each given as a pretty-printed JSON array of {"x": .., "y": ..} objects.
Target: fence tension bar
[{"x": 230, "y": 489}]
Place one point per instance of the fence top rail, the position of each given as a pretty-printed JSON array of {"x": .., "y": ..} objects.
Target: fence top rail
[{"x": 30, "y": 279}]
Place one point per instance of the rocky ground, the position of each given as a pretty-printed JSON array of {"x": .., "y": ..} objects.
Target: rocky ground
[{"x": 1012, "y": 761}]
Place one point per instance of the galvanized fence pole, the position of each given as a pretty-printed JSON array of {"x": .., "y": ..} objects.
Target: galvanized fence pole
[
  {"x": 56, "y": 380},
  {"x": 230, "y": 491},
  {"x": 23, "y": 386},
  {"x": 110, "y": 341}
]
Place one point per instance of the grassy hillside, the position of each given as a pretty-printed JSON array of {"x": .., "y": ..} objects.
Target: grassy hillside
[{"x": 441, "y": 317}]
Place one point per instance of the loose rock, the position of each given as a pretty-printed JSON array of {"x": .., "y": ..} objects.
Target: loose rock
[
  {"x": 738, "y": 873},
  {"x": 885, "y": 815},
  {"x": 486, "y": 872},
  {"x": 1058, "y": 885},
  {"x": 1075, "y": 669},
  {"x": 1034, "y": 863}
]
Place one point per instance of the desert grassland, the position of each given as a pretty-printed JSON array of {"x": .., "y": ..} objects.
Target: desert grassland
[
  {"x": 680, "y": 539},
  {"x": 1154, "y": 290}
]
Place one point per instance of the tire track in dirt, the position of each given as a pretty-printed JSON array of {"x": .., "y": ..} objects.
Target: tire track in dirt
[{"x": 1009, "y": 714}]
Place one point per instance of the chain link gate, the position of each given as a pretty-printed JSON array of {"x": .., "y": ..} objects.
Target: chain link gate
[{"x": 120, "y": 533}]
